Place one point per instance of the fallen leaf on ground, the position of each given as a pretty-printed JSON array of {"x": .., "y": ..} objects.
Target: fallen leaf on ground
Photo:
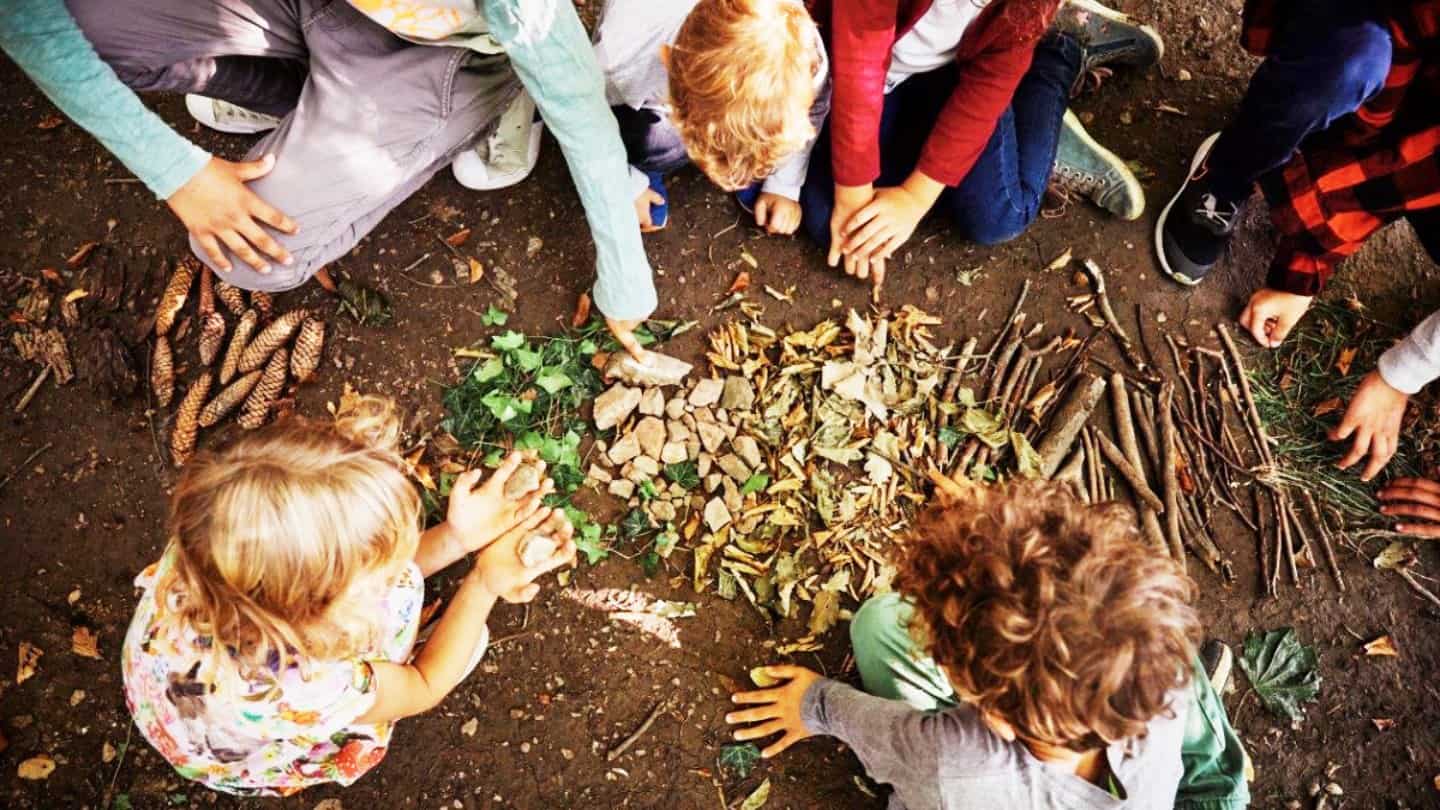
[
  {"x": 739, "y": 758},
  {"x": 1284, "y": 672},
  {"x": 1329, "y": 406},
  {"x": 740, "y": 284},
  {"x": 50, "y": 122},
  {"x": 747, "y": 258},
  {"x": 1059, "y": 262},
  {"x": 757, "y": 799},
  {"x": 76, "y": 294},
  {"x": 477, "y": 270},
  {"x": 81, "y": 254},
  {"x": 1347, "y": 357},
  {"x": 1383, "y": 646},
  {"x": 29, "y": 660},
  {"x": 37, "y": 767},
  {"x": 84, "y": 642},
  {"x": 582, "y": 311},
  {"x": 107, "y": 753},
  {"x": 1383, "y": 723},
  {"x": 763, "y": 679},
  {"x": 458, "y": 238}
]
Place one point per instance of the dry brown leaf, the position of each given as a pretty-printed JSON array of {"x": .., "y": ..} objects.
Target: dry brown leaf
[
  {"x": 36, "y": 768},
  {"x": 477, "y": 270},
  {"x": 1330, "y": 405},
  {"x": 84, "y": 642},
  {"x": 582, "y": 311},
  {"x": 29, "y": 660},
  {"x": 599, "y": 360},
  {"x": 51, "y": 275},
  {"x": 76, "y": 294},
  {"x": 1347, "y": 357},
  {"x": 1383, "y": 646},
  {"x": 740, "y": 284},
  {"x": 1383, "y": 723},
  {"x": 108, "y": 753},
  {"x": 81, "y": 254},
  {"x": 50, "y": 121},
  {"x": 1061, "y": 261},
  {"x": 458, "y": 238}
]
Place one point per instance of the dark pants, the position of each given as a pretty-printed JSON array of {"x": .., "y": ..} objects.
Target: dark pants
[
  {"x": 1002, "y": 194},
  {"x": 652, "y": 144},
  {"x": 1327, "y": 58}
]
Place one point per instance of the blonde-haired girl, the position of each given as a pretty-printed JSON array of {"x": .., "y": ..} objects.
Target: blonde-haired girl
[{"x": 272, "y": 647}]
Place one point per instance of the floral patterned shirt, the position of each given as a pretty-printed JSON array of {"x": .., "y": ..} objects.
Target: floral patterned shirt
[{"x": 274, "y": 734}]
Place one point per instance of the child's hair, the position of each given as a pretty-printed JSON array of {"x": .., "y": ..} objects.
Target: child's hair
[
  {"x": 269, "y": 534},
  {"x": 1050, "y": 614},
  {"x": 742, "y": 80}
]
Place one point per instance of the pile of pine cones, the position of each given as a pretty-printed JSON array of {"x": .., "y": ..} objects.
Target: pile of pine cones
[{"x": 254, "y": 367}]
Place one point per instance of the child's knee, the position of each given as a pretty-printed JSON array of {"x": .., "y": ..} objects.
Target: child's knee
[
  {"x": 280, "y": 277},
  {"x": 881, "y": 623}
]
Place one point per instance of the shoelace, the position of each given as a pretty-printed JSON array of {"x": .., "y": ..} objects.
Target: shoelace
[
  {"x": 1081, "y": 181},
  {"x": 1209, "y": 211}
]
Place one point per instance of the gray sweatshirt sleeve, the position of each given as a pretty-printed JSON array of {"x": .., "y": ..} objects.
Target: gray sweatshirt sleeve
[
  {"x": 898, "y": 745},
  {"x": 1413, "y": 362}
]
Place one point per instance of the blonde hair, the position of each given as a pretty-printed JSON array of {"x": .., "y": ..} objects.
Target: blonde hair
[
  {"x": 270, "y": 536},
  {"x": 742, "y": 80}
]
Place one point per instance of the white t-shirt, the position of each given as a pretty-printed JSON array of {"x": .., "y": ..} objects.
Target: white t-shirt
[{"x": 933, "y": 41}]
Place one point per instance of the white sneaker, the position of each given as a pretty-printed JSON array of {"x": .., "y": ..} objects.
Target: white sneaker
[
  {"x": 508, "y": 155},
  {"x": 226, "y": 117}
]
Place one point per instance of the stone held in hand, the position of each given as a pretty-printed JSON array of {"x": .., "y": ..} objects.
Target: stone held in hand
[
  {"x": 655, "y": 370},
  {"x": 524, "y": 480},
  {"x": 615, "y": 406},
  {"x": 536, "y": 549}
]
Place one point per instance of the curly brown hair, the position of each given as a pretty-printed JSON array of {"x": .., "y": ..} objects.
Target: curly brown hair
[{"x": 1049, "y": 613}]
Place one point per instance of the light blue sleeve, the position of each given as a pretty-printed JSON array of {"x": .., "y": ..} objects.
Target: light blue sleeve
[
  {"x": 555, "y": 61},
  {"x": 43, "y": 39}
]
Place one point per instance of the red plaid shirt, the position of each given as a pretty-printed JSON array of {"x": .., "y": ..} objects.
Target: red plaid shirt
[{"x": 1369, "y": 169}]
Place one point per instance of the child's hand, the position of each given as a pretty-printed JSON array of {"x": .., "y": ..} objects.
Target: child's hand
[
  {"x": 1374, "y": 417},
  {"x": 499, "y": 569},
  {"x": 1271, "y": 314},
  {"x": 848, "y": 200},
  {"x": 780, "y": 713},
  {"x": 1413, "y": 497},
  {"x": 479, "y": 515},
  {"x": 778, "y": 215},
  {"x": 647, "y": 198}
]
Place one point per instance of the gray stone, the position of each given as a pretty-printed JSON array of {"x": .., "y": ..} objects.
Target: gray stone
[
  {"x": 677, "y": 430},
  {"x": 599, "y": 474},
  {"x": 732, "y": 466},
  {"x": 662, "y": 511},
  {"x": 615, "y": 405},
  {"x": 734, "y": 501},
  {"x": 655, "y": 369},
  {"x": 645, "y": 468},
  {"x": 675, "y": 408},
  {"x": 706, "y": 392},
  {"x": 712, "y": 436},
  {"x": 749, "y": 451},
  {"x": 652, "y": 403},
  {"x": 651, "y": 434},
  {"x": 625, "y": 448},
  {"x": 717, "y": 516},
  {"x": 673, "y": 453},
  {"x": 703, "y": 463},
  {"x": 621, "y": 488}
]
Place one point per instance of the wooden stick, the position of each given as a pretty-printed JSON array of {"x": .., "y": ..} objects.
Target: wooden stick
[
  {"x": 1068, "y": 422},
  {"x": 1170, "y": 481},
  {"x": 1417, "y": 587},
  {"x": 33, "y": 389},
  {"x": 1133, "y": 477},
  {"x": 1011, "y": 322},
  {"x": 22, "y": 465},
  {"x": 1245, "y": 392},
  {"x": 619, "y": 750},
  {"x": 1125, "y": 431},
  {"x": 1325, "y": 545},
  {"x": 1146, "y": 423},
  {"x": 1127, "y": 346}
]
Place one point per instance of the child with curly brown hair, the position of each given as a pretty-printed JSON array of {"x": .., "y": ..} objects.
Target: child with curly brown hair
[{"x": 1037, "y": 654}]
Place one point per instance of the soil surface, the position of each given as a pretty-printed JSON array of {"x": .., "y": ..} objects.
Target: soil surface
[{"x": 562, "y": 685}]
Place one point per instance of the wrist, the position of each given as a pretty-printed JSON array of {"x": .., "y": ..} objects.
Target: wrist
[{"x": 923, "y": 187}]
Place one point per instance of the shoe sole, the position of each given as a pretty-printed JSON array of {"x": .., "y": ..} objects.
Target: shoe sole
[
  {"x": 1220, "y": 678},
  {"x": 1195, "y": 163},
  {"x": 1134, "y": 191},
  {"x": 195, "y": 105},
  {"x": 1120, "y": 17}
]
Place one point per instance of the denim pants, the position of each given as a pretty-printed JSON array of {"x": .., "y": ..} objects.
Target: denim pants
[
  {"x": 1327, "y": 58},
  {"x": 1002, "y": 194},
  {"x": 892, "y": 666},
  {"x": 652, "y": 144}
]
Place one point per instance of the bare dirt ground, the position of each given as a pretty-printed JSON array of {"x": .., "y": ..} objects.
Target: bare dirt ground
[{"x": 562, "y": 685}]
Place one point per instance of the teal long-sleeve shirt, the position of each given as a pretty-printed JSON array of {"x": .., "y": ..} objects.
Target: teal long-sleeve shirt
[
  {"x": 544, "y": 40},
  {"x": 43, "y": 39}
]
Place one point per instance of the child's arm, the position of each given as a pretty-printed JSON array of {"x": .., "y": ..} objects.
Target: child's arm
[
  {"x": 402, "y": 690},
  {"x": 556, "y": 63},
  {"x": 476, "y": 516},
  {"x": 1376, "y": 410}
]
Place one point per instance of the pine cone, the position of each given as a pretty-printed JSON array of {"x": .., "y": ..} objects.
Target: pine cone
[
  {"x": 309, "y": 346},
  {"x": 272, "y": 337},
  {"x": 162, "y": 371},
  {"x": 207, "y": 292},
  {"x": 225, "y": 401},
  {"x": 182, "y": 436},
  {"x": 173, "y": 299},
  {"x": 239, "y": 339},
  {"x": 231, "y": 297},
  {"x": 212, "y": 337},
  {"x": 257, "y": 405},
  {"x": 262, "y": 303}
]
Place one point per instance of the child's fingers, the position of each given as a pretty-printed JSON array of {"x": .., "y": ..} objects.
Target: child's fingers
[
  {"x": 762, "y": 730},
  {"x": 758, "y": 696},
  {"x": 755, "y": 715},
  {"x": 1357, "y": 449},
  {"x": 1412, "y": 510},
  {"x": 860, "y": 219},
  {"x": 781, "y": 744},
  {"x": 783, "y": 671},
  {"x": 506, "y": 469},
  {"x": 1418, "y": 529},
  {"x": 464, "y": 482},
  {"x": 1420, "y": 486},
  {"x": 1382, "y": 449},
  {"x": 867, "y": 239}
]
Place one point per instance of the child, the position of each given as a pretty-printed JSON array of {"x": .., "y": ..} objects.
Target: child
[
  {"x": 1038, "y": 654},
  {"x": 357, "y": 113},
  {"x": 272, "y": 647},
  {"x": 1377, "y": 408},
  {"x": 1338, "y": 127},
  {"x": 738, "y": 87},
  {"x": 961, "y": 103}
]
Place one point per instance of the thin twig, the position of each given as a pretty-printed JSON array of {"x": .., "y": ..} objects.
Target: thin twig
[
  {"x": 33, "y": 389},
  {"x": 619, "y": 750},
  {"x": 22, "y": 465}
]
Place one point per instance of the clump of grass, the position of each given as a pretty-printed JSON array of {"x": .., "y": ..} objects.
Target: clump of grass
[{"x": 1301, "y": 394}]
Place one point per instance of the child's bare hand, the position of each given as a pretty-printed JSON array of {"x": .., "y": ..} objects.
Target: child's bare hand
[
  {"x": 500, "y": 570},
  {"x": 848, "y": 200},
  {"x": 647, "y": 198},
  {"x": 218, "y": 208},
  {"x": 778, "y": 215},
  {"x": 1271, "y": 314},
  {"x": 778, "y": 712},
  {"x": 1413, "y": 497},
  {"x": 479, "y": 515},
  {"x": 1373, "y": 417}
]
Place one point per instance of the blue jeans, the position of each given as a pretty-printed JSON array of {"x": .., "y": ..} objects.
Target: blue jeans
[
  {"x": 1002, "y": 194},
  {"x": 1328, "y": 57},
  {"x": 652, "y": 143}
]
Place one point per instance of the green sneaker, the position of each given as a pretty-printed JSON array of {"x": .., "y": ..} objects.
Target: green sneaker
[
  {"x": 1085, "y": 168},
  {"x": 1108, "y": 37}
]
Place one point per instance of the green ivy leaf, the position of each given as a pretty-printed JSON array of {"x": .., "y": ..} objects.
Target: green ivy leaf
[
  {"x": 527, "y": 359},
  {"x": 684, "y": 473},
  {"x": 553, "y": 380},
  {"x": 489, "y": 370},
  {"x": 740, "y": 759},
  {"x": 635, "y": 524},
  {"x": 949, "y": 436},
  {"x": 508, "y": 342},
  {"x": 755, "y": 483},
  {"x": 494, "y": 316},
  {"x": 588, "y": 539},
  {"x": 1284, "y": 672}
]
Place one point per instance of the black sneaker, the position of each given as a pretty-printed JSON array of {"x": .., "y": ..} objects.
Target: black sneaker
[
  {"x": 1218, "y": 661},
  {"x": 1108, "y": 37},
  {"x": 1195, "y": 226}
]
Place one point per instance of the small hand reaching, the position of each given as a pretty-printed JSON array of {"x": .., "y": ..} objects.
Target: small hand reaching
[
  {"x": 218, "y": 208},
  {"x": 778, "y": 711},
  {"x": 647, "y": 198},
  {"x": 500, "y": 570},
  {"x": 479, "y": 515},
  {"x": 1413, "y": 497},
  {"x": 1373, "y": 417},
  {"x": 778, "y": 215},
  {"x": 1271, "y": 314}
]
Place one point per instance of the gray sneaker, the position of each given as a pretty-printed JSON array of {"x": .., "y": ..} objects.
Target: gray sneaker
[
  {"x": 1108, "y": 37},
  {"x": 1218, "y": 660},
  {"x": 1088, "y": 169}
]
